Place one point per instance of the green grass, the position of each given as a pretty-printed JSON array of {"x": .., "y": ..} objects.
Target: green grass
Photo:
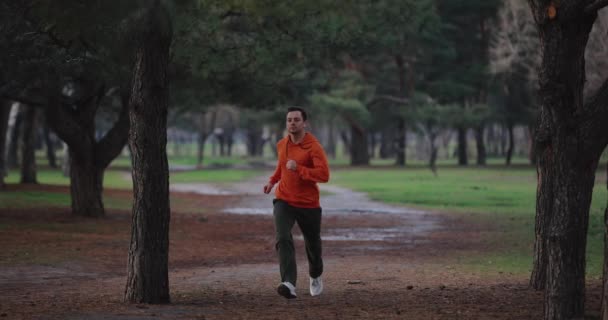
[
  {"x": 33, "y": 199},
  {"x": 504, "y": 197},
  {"x": 215, "y": 175},
  {"x": 120, "y": 179},
  {"x": 112, "y": 178}
]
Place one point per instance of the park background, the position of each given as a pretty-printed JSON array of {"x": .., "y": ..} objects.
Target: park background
[{"x": 430, "y": 106}]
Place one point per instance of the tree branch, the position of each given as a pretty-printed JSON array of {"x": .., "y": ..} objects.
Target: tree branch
[
  {"x": 595, "y": 6},
  {"x": 387, "y": 98},
  {"x": 22, "y": 100},
  {"x": 65, "y": 125},
  {"x": 110, "y": 146}
]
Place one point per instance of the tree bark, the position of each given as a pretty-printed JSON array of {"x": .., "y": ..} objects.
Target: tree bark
[
  {"x": 400, "y": 143},
  {"x": 386, "y": 143},
  {"x": 5, "y": 109},
  {"x": 544, "y": 205},
  {"x": 532, "y": 145},
  {"x": 147, "y": 269},
  {"x": 86, "y": 185},
  {"x": 481, "y": 147},
  {"x": 202, "y": 138},
  {"x": 50, "y": 148},
  {"x": 605, "y": 269},
  {"x": 570, "y": 140},
  {"x": 359, "y": 155},
  {"x": 331, "y": 139},
  {"x": 433, "y": 150},
  {"x": 462, "y": 146},
  {"x": 511, "y": 144},
  {"x": 28, "y": 148},
  {"x": 12, "y": 159}
]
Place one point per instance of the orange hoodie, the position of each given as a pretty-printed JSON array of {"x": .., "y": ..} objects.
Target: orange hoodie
[{"x": 299, "y": 188}]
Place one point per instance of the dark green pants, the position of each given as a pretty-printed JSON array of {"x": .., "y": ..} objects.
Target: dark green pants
[{"x": 309, "y": 221}]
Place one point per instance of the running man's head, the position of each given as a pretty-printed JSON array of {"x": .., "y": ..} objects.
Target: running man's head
[{"x": 296, "y": 120}]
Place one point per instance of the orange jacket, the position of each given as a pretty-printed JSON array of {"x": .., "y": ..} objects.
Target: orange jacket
[{"x": 299, "y": 188}]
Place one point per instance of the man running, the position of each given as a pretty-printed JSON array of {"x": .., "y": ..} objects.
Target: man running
[{"x": 301, "y": 165}]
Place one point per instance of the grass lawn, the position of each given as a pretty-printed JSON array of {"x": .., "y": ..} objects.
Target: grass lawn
[
  {"x": 120, "y": 179},
  {"x": 502, "y": 196}
]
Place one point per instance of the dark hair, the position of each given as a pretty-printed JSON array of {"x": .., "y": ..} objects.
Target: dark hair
[{"x": 304, "y": 116}]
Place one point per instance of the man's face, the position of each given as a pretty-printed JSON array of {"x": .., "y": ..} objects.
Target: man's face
[{"x": 295, "y": 124}]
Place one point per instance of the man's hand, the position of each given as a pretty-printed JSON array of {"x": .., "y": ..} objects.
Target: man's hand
[
  {"x": 268, "y": 187},
  {"x": 291, "y": 165}
]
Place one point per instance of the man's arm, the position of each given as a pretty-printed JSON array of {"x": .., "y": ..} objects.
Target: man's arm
[
  {"x": 320, "y": 169},
  {"x": 276, "y": 176}
]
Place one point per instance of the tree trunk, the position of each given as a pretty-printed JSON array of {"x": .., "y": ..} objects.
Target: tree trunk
[
  {"x": 372, "y": 145},
  {"x": 50, "y": 148},
  {"x": 359, "y": 155},
  {"x": 566, "y": 235},
  {"x": 86, "y": 186},
  {"x": 605, "y": 272},
  {"x": 481, "y": 147},
  {"x": 433, "y": 151},
  {"x": 28, "y": 151},
  {"x": 386, "y": 144},
  {"x": 400, "y": 145},
  {"x": 569, "y": 138},
  {"x": 148, "y": 263},
  {"x": 511, "y": 143},
  {"x": 202, "y": 137},
  {"x": 331, "y": 140},
  {"x": 65, "y": 165},
  {"x": 532, "y": 145},
  {"x": 462, "y": 146},
  {"x": 12, "y": 159},
  {"x": 5, "y": 109},
  {"x": 544, "y": 206}
]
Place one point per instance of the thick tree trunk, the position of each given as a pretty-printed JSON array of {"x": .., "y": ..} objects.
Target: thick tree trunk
[
  {"x": 511, "y": 144},
  {"x": 86, "y": 186},
  {"x": 359, "y": 155},
  {"x": 148, "y": 263},
  {"x": 28, "y": 151},
  {"x": 567, "y": 235},
  {"x": 5, "y": 109},
  {"x": 544, "y": 207},
  {"x": 568, "y": 140},
  {"x": 481, "y": 147},
  {"x": 605, "y": 271},
  {"x": 462, "y": 146},
  {"x": 50, "y": 148}
]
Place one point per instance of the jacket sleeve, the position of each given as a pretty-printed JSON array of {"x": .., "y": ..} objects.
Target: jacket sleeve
[
  {"x": 276, "y": 176},
  {"x": 320, "y": 169}
]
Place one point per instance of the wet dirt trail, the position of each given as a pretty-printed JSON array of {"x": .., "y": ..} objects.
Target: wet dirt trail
[{"x": 381, "y": 262}]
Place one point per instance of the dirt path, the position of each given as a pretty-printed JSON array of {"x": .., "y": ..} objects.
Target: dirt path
[{"x": 382, "y": 262}]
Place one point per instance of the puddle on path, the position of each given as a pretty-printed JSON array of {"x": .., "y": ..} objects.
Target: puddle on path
[{"x": 410, "y": 224}]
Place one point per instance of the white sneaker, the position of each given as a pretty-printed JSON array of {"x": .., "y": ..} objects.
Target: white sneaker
[
  {"x": 316, "y": 286},
  {"x": 287, "y": 290}
]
